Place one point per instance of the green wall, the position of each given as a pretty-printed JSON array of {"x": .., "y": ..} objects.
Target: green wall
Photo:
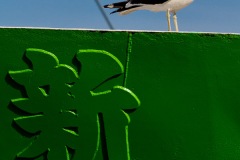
[{"x": 119, "y": 95}]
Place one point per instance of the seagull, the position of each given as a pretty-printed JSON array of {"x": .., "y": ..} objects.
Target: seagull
[{"x": 170, "y": 6}]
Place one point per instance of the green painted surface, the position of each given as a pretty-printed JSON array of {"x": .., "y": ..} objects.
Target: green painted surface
[
  {"x": 189, "y": 86},
  {"x": 71, "y": 94}
]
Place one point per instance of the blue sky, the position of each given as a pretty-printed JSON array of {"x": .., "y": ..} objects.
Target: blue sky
[{"x": 200, "y": 16}]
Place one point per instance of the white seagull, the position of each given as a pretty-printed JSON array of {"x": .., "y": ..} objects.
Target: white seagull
[{"x": 170, "y": 6}]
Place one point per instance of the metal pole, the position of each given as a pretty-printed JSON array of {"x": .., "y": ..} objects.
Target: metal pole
[{"x": 104, "y": 15}]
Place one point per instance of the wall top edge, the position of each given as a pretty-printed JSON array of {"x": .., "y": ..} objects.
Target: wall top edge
[{"x": 109, "y": 30}]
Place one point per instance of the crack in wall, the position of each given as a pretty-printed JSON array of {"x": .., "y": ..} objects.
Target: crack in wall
[{"x": 129, "y": 50}]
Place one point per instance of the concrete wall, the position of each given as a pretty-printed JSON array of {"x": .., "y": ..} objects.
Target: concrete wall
[{"x": 72, "y": 94}]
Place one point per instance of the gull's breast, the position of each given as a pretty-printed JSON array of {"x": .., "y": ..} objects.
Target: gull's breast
[{"x": 173, "y": 5}]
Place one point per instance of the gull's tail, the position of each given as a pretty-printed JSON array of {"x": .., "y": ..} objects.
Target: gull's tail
[{"x": 122, "y": 7}]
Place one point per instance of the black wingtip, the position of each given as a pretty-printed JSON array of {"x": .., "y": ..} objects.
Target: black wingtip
[
  {"x": 109, "y": 6},
  {"x": 105, "y": 6},
  {"x": 114, "y": 12}
]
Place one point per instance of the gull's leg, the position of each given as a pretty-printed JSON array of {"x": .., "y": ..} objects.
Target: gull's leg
[
  {"x": 168, "y": 19},
  {"x": 175, "y": 21}
]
